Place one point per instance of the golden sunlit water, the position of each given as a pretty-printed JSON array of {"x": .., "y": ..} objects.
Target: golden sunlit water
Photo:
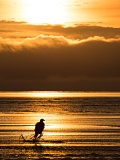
[
  {"x": 59, "y": 94},
  {"x": 85, "y": 125}
]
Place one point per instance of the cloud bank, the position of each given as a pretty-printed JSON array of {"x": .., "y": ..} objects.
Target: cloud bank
[{"x": 54, "y": 61}]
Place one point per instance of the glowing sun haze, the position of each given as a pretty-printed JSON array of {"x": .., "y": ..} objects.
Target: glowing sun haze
[
  {"x": 44, "y": 11},
  {"x": 61, "y": 11}
]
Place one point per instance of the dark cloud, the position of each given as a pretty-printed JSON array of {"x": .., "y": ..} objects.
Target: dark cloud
[
  {"x": 11, "y": 29},
  {"x": 51, "y": 62}
]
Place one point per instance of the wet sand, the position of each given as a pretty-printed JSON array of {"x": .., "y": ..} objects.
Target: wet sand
[{"x": 76, "y": 128}]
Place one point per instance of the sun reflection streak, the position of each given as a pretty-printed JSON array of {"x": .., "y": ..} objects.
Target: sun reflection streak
[{"x": 55, "y": 94}]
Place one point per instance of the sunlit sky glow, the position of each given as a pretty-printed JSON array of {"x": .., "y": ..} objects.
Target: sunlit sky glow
[
  {"x": 61, "y": 11},
  {"x": 59, "y": 45},
  {"x": 38, "y": 11}
]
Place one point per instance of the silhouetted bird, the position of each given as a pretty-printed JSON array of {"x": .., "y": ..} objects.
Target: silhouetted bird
[{"x": 39, "y": 127}]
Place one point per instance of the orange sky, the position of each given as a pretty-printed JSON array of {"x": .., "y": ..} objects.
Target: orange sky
[
  {"x": 61, "y": 11},
  {"x": 80, "y": 57}
]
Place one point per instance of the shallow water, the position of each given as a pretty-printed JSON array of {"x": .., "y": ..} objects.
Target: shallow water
[{"x": 75, "y": 127}]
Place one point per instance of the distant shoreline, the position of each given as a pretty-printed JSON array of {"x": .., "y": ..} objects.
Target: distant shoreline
[{"x": 57, "y": 94}]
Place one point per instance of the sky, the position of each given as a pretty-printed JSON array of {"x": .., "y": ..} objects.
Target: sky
[
  {"x": 60, "y": 45},
  {"x": 61, "y": 11}
]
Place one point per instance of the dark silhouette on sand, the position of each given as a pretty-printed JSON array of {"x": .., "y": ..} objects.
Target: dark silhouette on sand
[{"x": 39, "y": 127}]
